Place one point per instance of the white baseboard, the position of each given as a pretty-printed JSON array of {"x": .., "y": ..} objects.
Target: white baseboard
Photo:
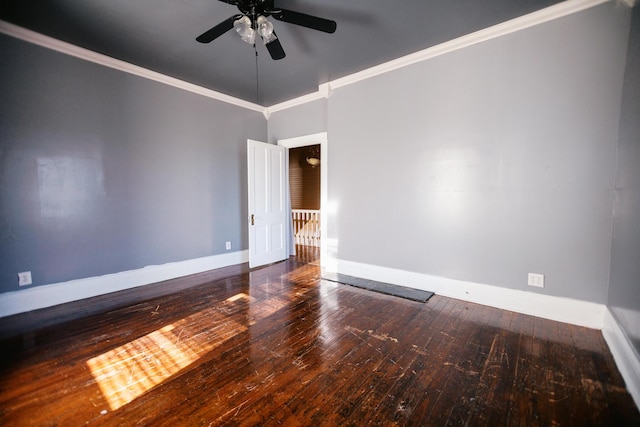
[
  {"x": 49, "y": 295},
  {"x": 627, "y": 360},
  {"x": 561, "y": 309}
]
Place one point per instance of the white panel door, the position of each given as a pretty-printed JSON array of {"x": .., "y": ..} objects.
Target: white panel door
[{"x": 267, "y": 203}]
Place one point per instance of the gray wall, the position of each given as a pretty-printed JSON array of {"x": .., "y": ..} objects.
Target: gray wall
[
  {"x": 482, "y": 165},
  {"x": 489, "y": 162},
  {"x": 102, "y": 171},
  {"x": 624, "y": 287},
  {"x": 306, "y": 119}
]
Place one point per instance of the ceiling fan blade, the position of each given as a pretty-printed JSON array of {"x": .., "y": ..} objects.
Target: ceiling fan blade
[
  {"x": 233, "y": 2},
  {"x": 304, "y": 20},
  {"x": 275, "y": 49},
  {"x": 218, "y": 30}
]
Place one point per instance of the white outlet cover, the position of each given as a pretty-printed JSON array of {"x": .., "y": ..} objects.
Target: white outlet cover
[
  {"x": 24, "y": 278},
  {"x": 536, "y": 279},
  {"x": 228, "y": 245}
]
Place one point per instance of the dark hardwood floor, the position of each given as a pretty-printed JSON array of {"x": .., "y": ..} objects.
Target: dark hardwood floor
[{"x": 279, "y": 346}]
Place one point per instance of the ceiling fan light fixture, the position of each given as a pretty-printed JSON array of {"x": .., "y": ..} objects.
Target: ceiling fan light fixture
[
  {"x": 265, "y": 29},
  {"x": 245, "y": 29},
  {"x": 253, "y": 19}
]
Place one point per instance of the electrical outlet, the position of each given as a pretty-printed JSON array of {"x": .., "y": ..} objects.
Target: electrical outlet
[
  {"x": 24, "y": 278},
  {"x": 536, "y": 280},
  {"x": 228, "y": 246}
]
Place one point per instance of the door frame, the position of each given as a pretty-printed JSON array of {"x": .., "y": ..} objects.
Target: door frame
[{"x": 303, "y": 141}]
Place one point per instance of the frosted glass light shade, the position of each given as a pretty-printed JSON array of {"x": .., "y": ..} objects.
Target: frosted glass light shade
[
  {"x": 265, "y": 29},
  {"x": 245, "y": 29}
]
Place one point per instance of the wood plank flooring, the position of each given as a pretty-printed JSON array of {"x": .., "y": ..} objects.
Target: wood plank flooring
[{"x": 279, "y": 346}]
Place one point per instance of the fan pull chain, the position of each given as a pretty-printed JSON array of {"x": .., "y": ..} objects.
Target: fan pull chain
[{"x": 257, "y": 77}]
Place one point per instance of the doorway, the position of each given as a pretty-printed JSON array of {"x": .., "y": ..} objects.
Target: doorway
[
  {"x": 310, "y": 155},
  {"x": 304, "y": 192}
]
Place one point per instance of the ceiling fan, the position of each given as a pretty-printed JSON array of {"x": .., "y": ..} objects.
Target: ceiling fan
[{"x": 253, "y": 20}]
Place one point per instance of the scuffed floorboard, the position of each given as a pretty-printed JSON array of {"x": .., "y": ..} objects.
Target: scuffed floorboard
[{"x": 280, "y": 346}]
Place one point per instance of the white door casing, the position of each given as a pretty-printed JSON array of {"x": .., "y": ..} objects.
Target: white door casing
[
  {"x": 267, "y": 203},
  {"x": 327, "y": 256}
]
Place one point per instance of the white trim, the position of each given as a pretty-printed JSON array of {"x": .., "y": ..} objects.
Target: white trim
[
  {"x": 626, "y": 358},
  {"x": 542, "y": 16},
  {"x": 630, "y": 3},
  {"x": 301, "y": 141},
  {"x": 107, "y": 61},
  {"x": 567, "y": 310},
  {"x": 324, "y": 91},
  {"x": 561, "y": 309},
  {"x": 317, "y": 138},
  {"x": 74, "y": 290}
]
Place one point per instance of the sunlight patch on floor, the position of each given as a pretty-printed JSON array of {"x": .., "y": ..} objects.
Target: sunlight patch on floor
[{"x": 128, "y": 371}]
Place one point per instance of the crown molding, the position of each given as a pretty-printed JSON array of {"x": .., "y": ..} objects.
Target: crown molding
[
  {"x": 324, "y": 91},
  {"x": 107, "y": 61},
  {"x": 542, "y": 16},
  {"x": 548, "y": 14}
]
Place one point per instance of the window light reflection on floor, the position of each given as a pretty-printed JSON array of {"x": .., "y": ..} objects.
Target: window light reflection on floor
[{"x": 128, "y": 371}]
